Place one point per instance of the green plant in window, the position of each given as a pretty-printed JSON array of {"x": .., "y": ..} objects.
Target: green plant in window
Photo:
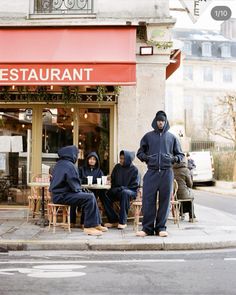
[
  {"x": 101, "y": 90},
  {"x": 160, "y": 44},
  {"x": 117, "y": 90},
  {"x": 66, "y": 94}
]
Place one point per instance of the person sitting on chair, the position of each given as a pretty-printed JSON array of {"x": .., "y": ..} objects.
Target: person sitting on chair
[
  {"x": 66, "y": 190},
  {"x": 91, "y": 168},
  {"x": 184, "y": 180},
  {"x": 124, "y": 186}
]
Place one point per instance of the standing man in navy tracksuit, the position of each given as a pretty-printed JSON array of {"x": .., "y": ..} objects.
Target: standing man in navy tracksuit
[
  {"x": 159, "y": 149},
  {"x": 66, "y": 189}
]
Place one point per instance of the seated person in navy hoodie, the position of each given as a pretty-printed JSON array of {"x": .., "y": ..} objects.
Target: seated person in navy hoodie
[
  {"x": 91, "y": 168},
  {"x": 124, "y": 186},
  {"x": 66, "y": 189}
]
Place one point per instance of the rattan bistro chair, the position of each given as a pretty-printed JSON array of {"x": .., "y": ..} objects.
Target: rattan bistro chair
[
  {"x": 34, "y": 199},
  {"x": 175, "y": 204},
  {"x": 181, "y": 201}
]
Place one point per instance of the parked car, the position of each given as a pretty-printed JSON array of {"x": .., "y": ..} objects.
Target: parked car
[{"x": 204, "y": 171}]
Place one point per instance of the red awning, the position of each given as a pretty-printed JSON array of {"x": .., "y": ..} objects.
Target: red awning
[
  {"x": 174, "y": 64},
  {"x": 68, "y": 56}
]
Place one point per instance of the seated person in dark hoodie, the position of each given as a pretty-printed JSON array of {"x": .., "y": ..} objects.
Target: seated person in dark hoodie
[
  {"x": 66, "y": 189},
  {"x": 124, "y": 186},
  {"x": 91, "y": 168}
]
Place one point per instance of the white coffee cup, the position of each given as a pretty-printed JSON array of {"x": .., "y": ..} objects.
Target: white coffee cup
[
  {"x": 104, "y": 180},
  {"x": 99, "y": 181},
  {"x": 90, "y": 180}
]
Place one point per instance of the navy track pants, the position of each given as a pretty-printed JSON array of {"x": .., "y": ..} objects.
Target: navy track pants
[
  {"x": 154, "y": 220},
  {"x": 86, "y": 201}
]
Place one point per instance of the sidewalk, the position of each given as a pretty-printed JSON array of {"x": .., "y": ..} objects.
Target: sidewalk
[
  {"x": 215, "y": 229},
  {"x": 226, "y": 188}
]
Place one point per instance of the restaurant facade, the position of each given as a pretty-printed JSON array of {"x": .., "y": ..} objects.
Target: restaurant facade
[{"x": 88, "y": 73}]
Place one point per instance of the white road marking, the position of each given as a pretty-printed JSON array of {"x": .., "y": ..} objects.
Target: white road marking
[
  {"x": 60, "y": 267},
  {"x": 230, "y": 259},
  {"x": 47, "y": 271},
  {"x": 56, "y": 275},
  {"x": 94, "y": 261}
]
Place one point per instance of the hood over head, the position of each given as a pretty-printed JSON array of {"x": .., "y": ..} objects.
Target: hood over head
[
  {"x": 129, "y": 157},
  {"x": 69, "y": 152},
  {"x": 160, "y": 115},
  {"x": 95, "y": 155}
]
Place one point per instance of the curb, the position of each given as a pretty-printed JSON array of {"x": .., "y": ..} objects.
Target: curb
[
  {"x": 216, "y": 191},
  {"x": 6, "y": 245}
]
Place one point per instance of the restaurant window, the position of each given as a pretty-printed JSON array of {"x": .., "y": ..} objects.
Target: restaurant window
[
  {"x": 15, "y": 134},
  {"x": 94, "y": 135},
  {"x": 57, "y": 129}
]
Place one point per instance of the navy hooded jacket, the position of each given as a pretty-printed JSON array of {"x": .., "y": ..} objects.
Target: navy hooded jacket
[
  {"x": 86, "y": 170},
  {"x": 126, "y": 176},
  {"x": 160, "y": 148},
  {"x": 65, "y": 176}
]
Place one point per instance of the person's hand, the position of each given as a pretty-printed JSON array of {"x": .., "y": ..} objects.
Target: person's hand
[
  {"x": 145, "y": 158},
  {"x": 175, "y": 159},
  {"x": 121, "y": 188}
]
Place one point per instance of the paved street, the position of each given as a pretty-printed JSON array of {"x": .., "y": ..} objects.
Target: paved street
[
  {"x": 224, "y": 203},
  {"x": 208, "y": 272}
]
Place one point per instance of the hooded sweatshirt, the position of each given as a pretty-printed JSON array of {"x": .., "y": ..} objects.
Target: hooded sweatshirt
[
  {"x": 65, "y": 176},
  {"x": 126, "y": 176},
  {"x": 160, "y": 148},
  {"x": 86, "y": 170}
]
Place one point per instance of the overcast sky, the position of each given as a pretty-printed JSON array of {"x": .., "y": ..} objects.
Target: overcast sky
[{"x": 205, "y": 21}]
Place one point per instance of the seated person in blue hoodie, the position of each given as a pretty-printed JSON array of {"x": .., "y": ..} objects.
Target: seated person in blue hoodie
[
  {"x": 124, "y": 186},
  {"x": 66, "y": 189},
  {"x": 91, "y": 168}
]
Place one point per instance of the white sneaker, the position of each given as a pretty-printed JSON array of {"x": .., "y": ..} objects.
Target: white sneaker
[
  {"x": 121, "y": 226},
  {"x": 163, "y": 234}
]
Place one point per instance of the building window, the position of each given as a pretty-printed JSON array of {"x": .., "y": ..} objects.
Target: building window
[
  {"x": 188, "y": 114},
  {"x": 208, "y": 107},
  {"x": 207, "y": 74},
  {"x": 188, "y": 47},
  {"x": 63, "y": 7},
  {"x": 226, "y": 50},
  {"x": 188, "y": 73},
  {"x": 206, "y": 49},
  {"x": 227, "y": 75}
]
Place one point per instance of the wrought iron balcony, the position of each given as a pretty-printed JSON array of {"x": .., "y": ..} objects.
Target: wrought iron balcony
[{"x": 59, "y": 7}]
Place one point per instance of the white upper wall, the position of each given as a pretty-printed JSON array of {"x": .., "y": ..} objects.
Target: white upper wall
[{"x": 104, "y": 9}]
